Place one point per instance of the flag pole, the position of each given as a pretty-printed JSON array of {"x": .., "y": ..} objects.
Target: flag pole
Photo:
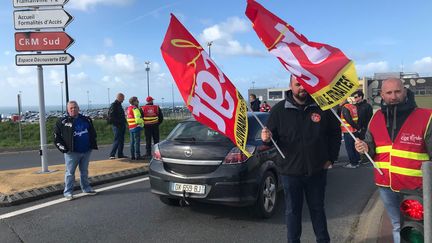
[
  {"x": 262, "y": 126},
  {"x": 352, "y": 135}
]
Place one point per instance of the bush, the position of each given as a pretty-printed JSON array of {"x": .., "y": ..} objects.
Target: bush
[{"x": 31, "y": 133}]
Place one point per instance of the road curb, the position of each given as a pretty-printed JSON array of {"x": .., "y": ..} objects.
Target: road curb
[
  {"x": 57, "y": 189},
  {"x": 370, "y": 222}
]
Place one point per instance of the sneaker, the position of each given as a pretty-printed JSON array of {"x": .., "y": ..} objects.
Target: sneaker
[
  {"x": 122, "y": 157},
  {"x": 133, "y": 158},
  {"x": 69, "y": 197},
  {"x": 92, "y": 192},
  {"x": 111, "y": 157},
  {"x": 350, "y": 166}
]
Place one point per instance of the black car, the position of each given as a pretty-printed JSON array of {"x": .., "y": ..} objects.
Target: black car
[{"x": 196, "y": 163}]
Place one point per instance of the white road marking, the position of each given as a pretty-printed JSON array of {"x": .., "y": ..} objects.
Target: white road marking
[{"x": 61, "y": 200}]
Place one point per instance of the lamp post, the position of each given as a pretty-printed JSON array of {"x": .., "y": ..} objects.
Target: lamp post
[
  {"x": 163, "y": 104},
  {"x": 148, "y": 70},
  {"x": 19, "y": 116},
  {"x": 109, "y": 101},
  {"x": 61, "y": 91},
  {"x": 172, "y": 92},
  {"x": 209, "y": 44},
  {"x": 253, "y": 85},
  {"x": 88, "y": 101}
]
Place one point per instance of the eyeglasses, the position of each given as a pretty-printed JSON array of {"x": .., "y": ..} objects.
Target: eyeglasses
[{"x": 355, "y": 96}]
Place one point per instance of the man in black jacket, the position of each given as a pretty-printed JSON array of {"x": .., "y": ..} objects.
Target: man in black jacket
[
  {"x": 310, "y": 140},
  {"x": 75, "y": 137},
  {"x": 255, "y": 103},
  {"x": 116, "y": 117}
]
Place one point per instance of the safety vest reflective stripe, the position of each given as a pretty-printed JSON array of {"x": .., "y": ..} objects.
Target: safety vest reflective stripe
[
  {"x": 405, "y": 171},
  {"x": 382, "y": 164},
  {"x": 383, "y": 149},
  {"x": 409, "y": 155},
  {"x": 402, "y": 153}
]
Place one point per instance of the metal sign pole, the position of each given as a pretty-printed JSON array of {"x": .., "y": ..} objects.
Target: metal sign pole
[
  {"x": 42, "y": 121},
  {"x": 427, "y": 200}
]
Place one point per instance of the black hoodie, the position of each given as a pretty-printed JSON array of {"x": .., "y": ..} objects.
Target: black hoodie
[{"x": 307, "y": 136}]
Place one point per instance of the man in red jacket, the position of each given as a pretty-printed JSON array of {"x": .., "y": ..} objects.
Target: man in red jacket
[
  {"x": 399, "y": 138},
  {"x": 153, "y": 117}
]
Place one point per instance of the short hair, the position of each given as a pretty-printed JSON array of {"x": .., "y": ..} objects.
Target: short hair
[
  {"x": 72, "y": 102},
  {"x": 253, "y": 95},
  {"x": 132, "y": 99},
  {"x": 358, "y": 93}
]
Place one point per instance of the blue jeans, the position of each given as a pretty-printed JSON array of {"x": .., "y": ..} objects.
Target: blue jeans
[
  {"x": 135, "y": 140},
  {"x": 392, "y": 202},
  {"x": 118, "y": 144},
  {"x": 313, "y": 188},
  {"x": 72, "y": 160},
  {"x": 353, "y": 155}
]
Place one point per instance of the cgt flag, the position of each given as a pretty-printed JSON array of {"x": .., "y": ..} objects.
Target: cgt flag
[
  {"x": 207, "y": 92},
  {"x": 324, "y": 71}
]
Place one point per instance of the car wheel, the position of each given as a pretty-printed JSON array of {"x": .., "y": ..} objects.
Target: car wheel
[
  {"x": 170, "y": 201},
  {"x": 267, "y": 196}
]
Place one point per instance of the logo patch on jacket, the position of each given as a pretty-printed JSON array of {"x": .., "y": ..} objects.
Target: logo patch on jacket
[
  {"x": 412, "y": 139},
  {"x": 315, "y": 117}
]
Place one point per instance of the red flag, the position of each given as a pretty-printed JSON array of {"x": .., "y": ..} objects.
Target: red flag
[
  {"x": 207, "y": 92},
  {"x": 324, "y": 71}
]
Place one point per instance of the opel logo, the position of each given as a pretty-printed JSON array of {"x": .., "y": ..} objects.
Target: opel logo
[{"x": 188, "y": 152}]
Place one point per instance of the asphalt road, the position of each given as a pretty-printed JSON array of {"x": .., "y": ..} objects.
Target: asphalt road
[
  {"x": 133, "y": 214},
  {"x": 27, "y": 159}
]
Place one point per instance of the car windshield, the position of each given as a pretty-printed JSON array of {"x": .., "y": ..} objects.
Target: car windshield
[{"x": 195, "y": 132}]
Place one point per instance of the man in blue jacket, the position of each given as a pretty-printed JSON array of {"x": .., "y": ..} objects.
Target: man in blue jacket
[
  {"x": 75, "y": 137},
  {"x": 310, "y": 140}
]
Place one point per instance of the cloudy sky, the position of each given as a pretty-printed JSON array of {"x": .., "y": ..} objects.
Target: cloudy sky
[{"x": 114, "y": 39}]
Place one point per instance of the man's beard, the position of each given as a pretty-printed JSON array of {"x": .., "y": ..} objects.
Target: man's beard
[{"x": 301, "y": 96}]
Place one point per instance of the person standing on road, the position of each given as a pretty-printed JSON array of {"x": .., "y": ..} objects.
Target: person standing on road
[
  {"x": 399, "y": 138},
  {"x": 349, "y": 117},
  {"x": 153, "y": 117},
  {"x": 75, "y": 137},
  {"x": 310, "y": 139},
  {"x": 135, "y": 123},
  {"x": 364, "y": 111},
  {"x": 116, "y": 117},
  {"x": 254, "y": 102}
]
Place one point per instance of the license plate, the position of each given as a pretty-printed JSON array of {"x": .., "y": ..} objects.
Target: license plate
[{"x": 189, "y": 188}]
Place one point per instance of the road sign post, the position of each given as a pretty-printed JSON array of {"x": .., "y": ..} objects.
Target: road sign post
[{"x": 33, "y": 18}]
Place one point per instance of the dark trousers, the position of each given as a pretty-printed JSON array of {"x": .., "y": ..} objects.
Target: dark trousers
[
  {"x": 151, "y": 132},
  {"x": 353, "y": 155},
  {"x": 118, "y": 144},
  {"x": 313, "y": 189}
]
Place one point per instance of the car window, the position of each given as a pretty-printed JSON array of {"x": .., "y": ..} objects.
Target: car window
[{"x": 195, "y": 131}]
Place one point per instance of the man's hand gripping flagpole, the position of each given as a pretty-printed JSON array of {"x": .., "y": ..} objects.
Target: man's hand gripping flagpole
[
  {"x": 352, "y": 135},
  {"x": 262, "y": 126}
]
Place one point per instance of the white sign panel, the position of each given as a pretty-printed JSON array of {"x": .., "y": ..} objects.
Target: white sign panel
[
  {"x": 43, "y": 59},
  {"x": 41, "y": 19},
  {"x": 38, "y": 3}
]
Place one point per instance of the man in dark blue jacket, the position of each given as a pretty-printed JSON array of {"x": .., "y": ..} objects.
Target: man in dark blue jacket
[
  {"x": 116, "y": 117},
  {"x": 310, "y": 140},
  {"x": 75, "y": 137}
]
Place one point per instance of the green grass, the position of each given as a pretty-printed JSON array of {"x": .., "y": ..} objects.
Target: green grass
[{"x": 9, "y": 133}]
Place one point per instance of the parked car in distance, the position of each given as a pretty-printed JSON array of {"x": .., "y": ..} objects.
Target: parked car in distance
[{"x": 196, "y": 163}]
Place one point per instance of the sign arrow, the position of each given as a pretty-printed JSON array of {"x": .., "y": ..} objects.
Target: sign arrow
[
  {"x": 43, "y": 59},
  {"x": 22, "y": 4},
  {"x": 41, "y": 19},
  {"x": 42, "y": 41}
]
